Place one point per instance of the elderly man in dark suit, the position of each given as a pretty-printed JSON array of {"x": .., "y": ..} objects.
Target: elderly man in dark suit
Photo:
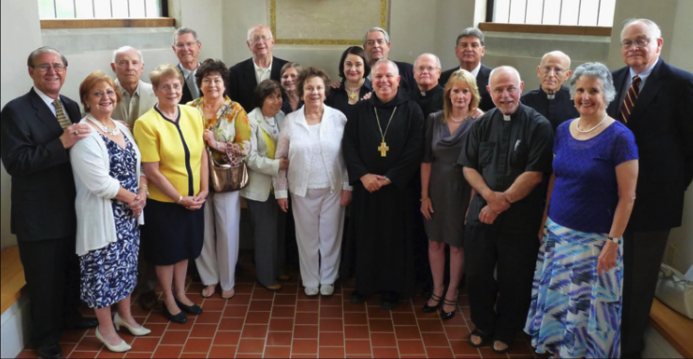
[
  {"x": 37, "y": 130},
  {"x": 655, "y": 101},
  {"x": 469, "y": 49},
  {"x": 187, "y": 47},
  {"x": 246, "y": 75},
  {"x": 377, "y": 45}
]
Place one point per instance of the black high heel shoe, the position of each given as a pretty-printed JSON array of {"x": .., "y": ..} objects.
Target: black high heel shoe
[
  {"x": 445, "y": 315},
  {"x": 190, "y": 309},
  {"x": 429, "y": 309}
]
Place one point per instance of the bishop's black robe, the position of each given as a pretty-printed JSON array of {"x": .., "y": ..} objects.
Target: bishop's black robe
[
  {"x": 383, "y": 220},
  {"x": 430, "y": 101},
  {"x": 557, "y": 110}
]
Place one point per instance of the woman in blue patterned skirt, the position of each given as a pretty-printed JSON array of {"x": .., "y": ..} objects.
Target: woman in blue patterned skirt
[
  {"x": 576, "y": 297},
  {"x": 111, "y": 195}
]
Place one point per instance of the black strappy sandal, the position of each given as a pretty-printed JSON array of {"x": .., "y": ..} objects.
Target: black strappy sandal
[
  {"x": 445, "y": 315},
  {"x": 493, "y": 347},
  {"x": 429, "y": 309},
  {"x": 480, "y": 334}
]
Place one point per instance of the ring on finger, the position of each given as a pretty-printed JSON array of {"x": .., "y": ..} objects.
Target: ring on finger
[{"x": 75, "y": 133}]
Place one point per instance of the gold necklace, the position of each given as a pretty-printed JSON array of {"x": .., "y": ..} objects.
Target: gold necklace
[{"x": 383, "y": 148}]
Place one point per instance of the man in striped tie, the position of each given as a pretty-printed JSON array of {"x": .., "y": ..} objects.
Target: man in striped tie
[
  {"x": 655, "y": 100},
  {"x": 37, "y": 131}
]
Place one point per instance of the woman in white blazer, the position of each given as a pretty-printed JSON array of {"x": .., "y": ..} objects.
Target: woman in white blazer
[
  {"x": 111, "y": 194},
  {"x": 269, "y": 223},
  {"x": 317, "y": 179}
]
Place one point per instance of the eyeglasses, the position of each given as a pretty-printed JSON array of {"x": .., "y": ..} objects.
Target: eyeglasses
[
  {"x": 189, "y": 44},
  {"x": 169, "y": 88},
  {"x": 430, "y": 69},
  {"x": 47, "y": 67},
  {"x": 547, "y": 70},
  {"x": 108, "y": 93},
  {"x": 263, "y": 38},
  {"x": 640, "y": 43}
]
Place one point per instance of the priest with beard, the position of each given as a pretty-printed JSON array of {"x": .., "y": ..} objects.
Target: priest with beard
[
  {"x": 552, "y": 99},
  {"x": 382, "y": 145}
]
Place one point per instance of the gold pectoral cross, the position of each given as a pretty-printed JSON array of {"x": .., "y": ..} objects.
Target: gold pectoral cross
[{"x": 383, "y": 149}]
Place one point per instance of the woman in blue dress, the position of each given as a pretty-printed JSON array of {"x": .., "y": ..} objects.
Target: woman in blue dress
[
  {"x": 111, "y": 195},
  {"x": 576, "y": 296}
]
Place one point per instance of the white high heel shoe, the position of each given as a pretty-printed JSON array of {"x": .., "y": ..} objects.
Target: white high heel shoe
[
  {"x": 138, "y": 332},
  {"x": 120, "y": 348}
]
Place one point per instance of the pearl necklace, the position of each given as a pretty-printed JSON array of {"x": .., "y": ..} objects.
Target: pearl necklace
[
  {"x": 577, "y": 125},
  {"x": 111, "y": 132},
  {"x": 459, "y": 121}
]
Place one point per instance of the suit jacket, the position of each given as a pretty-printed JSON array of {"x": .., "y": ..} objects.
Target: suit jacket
[
  {"x": 406, "y": 73},
  {"x": 43, "y": 188},
  {"x": 481, "y": 82},
  {"x": 663, "y": 127},
  {"x": 147, "y": 100},
  {"x": 242, "y": 81},
  {"x": 187, "y": 95}
]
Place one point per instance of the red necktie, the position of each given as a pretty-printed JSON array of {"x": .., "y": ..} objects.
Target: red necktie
[{"x": 629, "y": 101}]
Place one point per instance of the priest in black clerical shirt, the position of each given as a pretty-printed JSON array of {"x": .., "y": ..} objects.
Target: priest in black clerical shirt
[
  {"x": 430, "y": 94},
  {"x": 382, "y": 147},
  {"x": 552, "y": 99}
]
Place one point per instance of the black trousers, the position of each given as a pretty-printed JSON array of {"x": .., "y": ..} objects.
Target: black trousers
[
  {"x": 515, "y": 257},
  {"x": 51, "y": 270},
  {"x": 642, "y": 257}
]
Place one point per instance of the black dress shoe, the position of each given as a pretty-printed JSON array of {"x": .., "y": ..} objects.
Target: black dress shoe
[
  {"x": 389, "y": 301},
  {"x": 179, "y": 318},
  {"x": 431, "y": 309},
  {"x": 81, "y": 323},
  {"x": 190, "y": 309},
  {"x": 50, "y": 351},
  {"x": 358, "y": 298},
  {"x": 148, "y": 300}
]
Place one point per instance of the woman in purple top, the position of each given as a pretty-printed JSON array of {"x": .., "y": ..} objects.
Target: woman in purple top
[{"x": 576, "y": 297}]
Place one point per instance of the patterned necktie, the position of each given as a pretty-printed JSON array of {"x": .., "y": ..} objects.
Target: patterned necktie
[
  {"x": 60, "y": 114},
  {"x": 629, "y": 101}
]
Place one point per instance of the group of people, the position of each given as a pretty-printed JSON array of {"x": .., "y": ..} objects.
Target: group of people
[{"x": 534, "y": 194}]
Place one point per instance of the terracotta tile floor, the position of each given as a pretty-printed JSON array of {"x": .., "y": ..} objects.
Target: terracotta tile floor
[{"x": 257, "y": 323}]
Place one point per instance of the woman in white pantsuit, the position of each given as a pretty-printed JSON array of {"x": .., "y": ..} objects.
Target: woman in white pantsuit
[
  {"x": 318, "y": 182},
  {"x": 226, "y": 131}
]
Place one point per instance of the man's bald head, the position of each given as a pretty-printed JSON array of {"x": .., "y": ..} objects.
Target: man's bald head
[
  {"x": 505, "y": 87},
  {"x": 553, "y": 71}
]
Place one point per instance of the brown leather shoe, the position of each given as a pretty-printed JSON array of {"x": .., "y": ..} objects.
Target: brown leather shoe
[
  {"x": 272, "y": 288},
  {"x": 284, "y": 278},
  {"x": 148, "y": 300}
]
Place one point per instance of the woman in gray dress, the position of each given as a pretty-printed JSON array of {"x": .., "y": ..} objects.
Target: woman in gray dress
[{"x": 444, "y": 188}]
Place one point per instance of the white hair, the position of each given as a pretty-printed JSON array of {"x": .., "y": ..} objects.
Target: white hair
[
  {"x": 655, "y": 31},
  {"x": 505, "y": 68},
  {"x": 429, "y": 54},
  {"x": 375, "y": 28},
  {"x": 256, "y": 27},
  {"x": 556, "y": 53},
  {"x": 389, "y": 62},
  {"x": 126, "y": 49}
]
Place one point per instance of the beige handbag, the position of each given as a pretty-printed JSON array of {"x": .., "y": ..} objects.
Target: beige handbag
[
  {"x": 674, "y": 290},
  {"x": 225, "y": 177}
]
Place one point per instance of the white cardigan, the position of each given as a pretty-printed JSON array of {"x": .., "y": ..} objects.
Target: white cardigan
[
  {"x": 95, "y": 189},
  {"x": 260, "y": 167},
  {"x": 296, "y": 130}
]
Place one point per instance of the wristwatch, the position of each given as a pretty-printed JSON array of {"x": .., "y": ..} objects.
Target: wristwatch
[{"x": 615, "y": 239}]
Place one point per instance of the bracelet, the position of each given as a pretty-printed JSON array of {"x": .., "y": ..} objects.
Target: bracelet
[
  {"x": 180, "y": 199},
  {"x": 425, "y": 199}
]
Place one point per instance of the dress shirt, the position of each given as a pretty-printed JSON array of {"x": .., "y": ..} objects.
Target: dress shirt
[
  {"x": 130, "y": 103},
  {"x": 189, "y": 77},
  {"x": 474, "y": 72},
  {"x": 49, "y": 103},
  {"x": 643, "y": 78},
  {"x": 262, "y": 74}
]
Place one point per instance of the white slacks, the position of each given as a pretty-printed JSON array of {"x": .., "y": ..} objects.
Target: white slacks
[
  {"x": 319, "y": 221},
  {"x": 217, "y": 262}
]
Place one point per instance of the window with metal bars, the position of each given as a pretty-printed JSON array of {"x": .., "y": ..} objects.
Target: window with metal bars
[
  {"x": 552, "y": 12},
  {"x": 101, "y": 9}
]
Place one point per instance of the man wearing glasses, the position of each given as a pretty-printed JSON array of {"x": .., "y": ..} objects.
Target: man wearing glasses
[
  {"x": 187, "y": 48},
  {"x": 552, "y": 99},
  {"x": 37, "y": 131},
  {"x": 655, "y": 101},
  {"x": 469, "y": 49},
  {"x": 246, "y": 75}
]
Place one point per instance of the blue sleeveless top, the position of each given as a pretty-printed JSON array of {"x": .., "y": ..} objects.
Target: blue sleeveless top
[{"x": 585, "y": 193}]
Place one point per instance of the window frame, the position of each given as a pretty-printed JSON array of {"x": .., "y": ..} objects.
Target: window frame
[{"x": 163, "y": 21}]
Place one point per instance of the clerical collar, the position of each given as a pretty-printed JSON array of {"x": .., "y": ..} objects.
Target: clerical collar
[
  {"x": 506, "y": 118},
  {"x": 550, "y": 96}
]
